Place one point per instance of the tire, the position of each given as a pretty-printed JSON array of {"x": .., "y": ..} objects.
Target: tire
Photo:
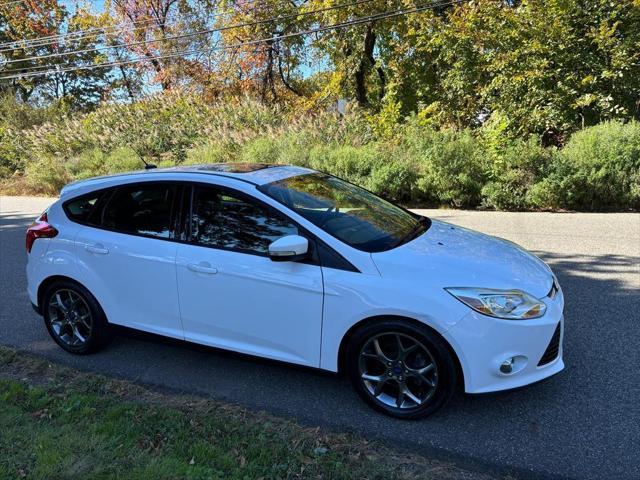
[
  {"x": 79, "y": 317},
  {"x": 390, "y": 372}
]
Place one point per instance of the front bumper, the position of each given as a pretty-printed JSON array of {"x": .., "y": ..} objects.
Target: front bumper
[{"x": 483, "y": 343}]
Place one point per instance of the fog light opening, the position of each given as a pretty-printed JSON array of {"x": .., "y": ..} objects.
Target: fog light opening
[{"x": 506, "y": 367}]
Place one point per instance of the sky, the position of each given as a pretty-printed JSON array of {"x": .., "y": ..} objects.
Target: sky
[{"x": 98, "y": 5}]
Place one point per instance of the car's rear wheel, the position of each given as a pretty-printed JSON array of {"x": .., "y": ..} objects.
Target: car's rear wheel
[
  {"x": 74, "y": 318},
  {"x": 402, "y": 369}
]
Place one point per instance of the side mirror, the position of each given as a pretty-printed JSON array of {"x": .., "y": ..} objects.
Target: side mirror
[{"x": 289, "y": 249}]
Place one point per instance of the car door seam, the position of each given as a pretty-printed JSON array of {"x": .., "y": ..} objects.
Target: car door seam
[{"x": 321, "y": 316}]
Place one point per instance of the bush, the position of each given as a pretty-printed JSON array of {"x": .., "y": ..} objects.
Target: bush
[
  {"x": 47, "y": 176},
  {"x": 88, "y": 164},
  {"x": 598, "y": 169},
  {"x": 122, "y": 160},
  {"x": 411, "y": 163},
  {"x": 450, "y": 164},
  {"x": 513, "y": 173},
  {"x": 15, "y": 117},
  {"x": 95, "y": 162},
  {"x": 261, "y": 150},
  {"x": 210, "y": 153}
]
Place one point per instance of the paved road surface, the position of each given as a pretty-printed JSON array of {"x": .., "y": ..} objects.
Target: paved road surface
[{"x": 583, "y": 423}]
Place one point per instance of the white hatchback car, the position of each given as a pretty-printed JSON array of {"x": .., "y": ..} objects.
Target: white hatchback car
[{"x": 299, "y": 266}]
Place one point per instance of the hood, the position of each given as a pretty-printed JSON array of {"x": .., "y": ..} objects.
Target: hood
[{"x": 450, "y": 256}]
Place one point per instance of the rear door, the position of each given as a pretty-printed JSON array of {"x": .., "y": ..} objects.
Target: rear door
[
  {"x": 232, "y": 295},
  {"x": 127, "y": 257}
]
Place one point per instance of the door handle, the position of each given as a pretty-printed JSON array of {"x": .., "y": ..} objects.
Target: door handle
[
  {"x": 97, "y": 248},
  {"x": 202, "y": 267}
]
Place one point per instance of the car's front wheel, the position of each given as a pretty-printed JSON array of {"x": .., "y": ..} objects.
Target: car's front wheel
[
  {"x": 74, "y": 318},
  {"x": 402, "y": 369}
]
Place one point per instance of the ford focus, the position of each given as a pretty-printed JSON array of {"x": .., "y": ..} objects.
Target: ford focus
[{"x": 299, "y": 266}]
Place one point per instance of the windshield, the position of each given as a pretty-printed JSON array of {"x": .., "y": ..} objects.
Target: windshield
[{"x": 349, "y": 213}]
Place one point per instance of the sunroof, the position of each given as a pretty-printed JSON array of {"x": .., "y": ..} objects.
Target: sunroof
[{"x": 235, "y": 167}]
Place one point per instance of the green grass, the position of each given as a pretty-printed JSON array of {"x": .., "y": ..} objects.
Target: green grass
[{"x": 60, "y": 423}]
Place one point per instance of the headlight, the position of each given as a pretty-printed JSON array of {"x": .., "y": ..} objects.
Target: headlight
[{"x": 508, "y": 304}]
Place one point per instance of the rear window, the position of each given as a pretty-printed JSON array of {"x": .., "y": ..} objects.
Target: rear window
[{"x": 82, "y": 209}]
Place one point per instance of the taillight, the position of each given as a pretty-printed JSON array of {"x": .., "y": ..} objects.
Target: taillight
[{"x": 39, "y": 229}]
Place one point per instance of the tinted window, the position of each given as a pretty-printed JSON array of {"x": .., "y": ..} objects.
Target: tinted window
[
  {"x": 349, "y": 213},
  {"x": 141, "y": 209},
  {"x": 225, "y": 220},
  {"x": 81, "y": 209}
]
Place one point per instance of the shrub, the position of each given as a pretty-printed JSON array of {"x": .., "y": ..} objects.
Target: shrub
[
  {"x": 598, "y": 169},
  {"x": 512, "y": 174},
  {"x": 46, "y": 175},
  {"x": 451, "y": 165},
  {"x": 87, "y": 164},
  {"x": 122, "y": 160},
  {"x": 15, "y": 117},
  {"x": 407, "y": 161},
  {"x": 261, "y": 150},
  {"x": 393, "y": 180},
  {"x": 211, "y": 153},
  {"x": 10, "y": 152},
  {"x": 95, "y": 162}
]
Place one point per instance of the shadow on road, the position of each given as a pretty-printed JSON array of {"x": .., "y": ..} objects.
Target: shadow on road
[{"x": 15, "y": 221}]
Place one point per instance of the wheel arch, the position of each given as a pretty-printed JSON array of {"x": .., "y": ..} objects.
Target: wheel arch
[
  {"x": 47, "y": 282},
  {"x": 342, "y": 350}
]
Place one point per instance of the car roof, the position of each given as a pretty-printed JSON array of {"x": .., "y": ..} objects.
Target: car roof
[{"x": 255, "y": 173}]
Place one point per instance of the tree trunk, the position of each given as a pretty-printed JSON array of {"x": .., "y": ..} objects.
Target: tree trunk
[
  {"x": 127, "y": 83},
  {"x": 268, "y": 82},
  {"x": 285, "y": 79},
  {"x": 364, "y": 68}
]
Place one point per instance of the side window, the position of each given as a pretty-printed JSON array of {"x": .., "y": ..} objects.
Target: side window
[
  {"x": 143, "y": 209},
  {"x": 223, "y": 220},
  {"x": 82, "y": 209}
]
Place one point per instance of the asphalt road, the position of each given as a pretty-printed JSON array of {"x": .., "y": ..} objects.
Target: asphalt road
[{"x": 583, "y": 423}]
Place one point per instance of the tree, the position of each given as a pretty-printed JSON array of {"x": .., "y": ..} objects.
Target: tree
[
  {"x": 22, "y": 21},
  {"x": 31, "y": 20},
  {"x": 150, "y": 26},
  {"x": 353, "y": 51},
  {"x": 546, "y": 67},
  {"x": 268, "y": 66}
]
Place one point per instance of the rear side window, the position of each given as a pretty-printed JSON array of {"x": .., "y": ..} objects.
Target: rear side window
[
  {"x": 141, "y": 209},
  {"x": 83, "y": 209}
]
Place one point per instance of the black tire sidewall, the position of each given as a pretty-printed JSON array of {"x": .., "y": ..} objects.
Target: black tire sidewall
[
  {"x": 100, "y": 333},
  {"x": 447, "y": 372}
]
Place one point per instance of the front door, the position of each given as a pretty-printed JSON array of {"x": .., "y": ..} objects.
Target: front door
[{"x": 232, "y": 295}]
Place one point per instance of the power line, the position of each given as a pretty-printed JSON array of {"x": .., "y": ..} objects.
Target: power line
[
  {"x": 89, "y": 32},
  {"x": 272, "y": 39},
  {"x": 192, "y": 34},
  {"x": 73, "y": 35},
  {"x": 275, "y": 38}
]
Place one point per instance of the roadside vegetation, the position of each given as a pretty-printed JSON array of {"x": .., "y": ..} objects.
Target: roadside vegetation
[
  {"x": 406, "y": 160},
  {"x": 471, "y": 104},
  {"x": 60, "y": 423}
]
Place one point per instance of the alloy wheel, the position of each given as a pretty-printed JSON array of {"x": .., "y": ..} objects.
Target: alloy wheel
[
  {"x": 70, "y": 318},
  {"x": 398, "y": 370}
]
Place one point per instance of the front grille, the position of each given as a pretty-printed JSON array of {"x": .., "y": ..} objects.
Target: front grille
[{"x": 551, "y": 353}]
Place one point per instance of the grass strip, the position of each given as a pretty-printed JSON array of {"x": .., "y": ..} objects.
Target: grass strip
[{"x": 58, "y": 422}]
